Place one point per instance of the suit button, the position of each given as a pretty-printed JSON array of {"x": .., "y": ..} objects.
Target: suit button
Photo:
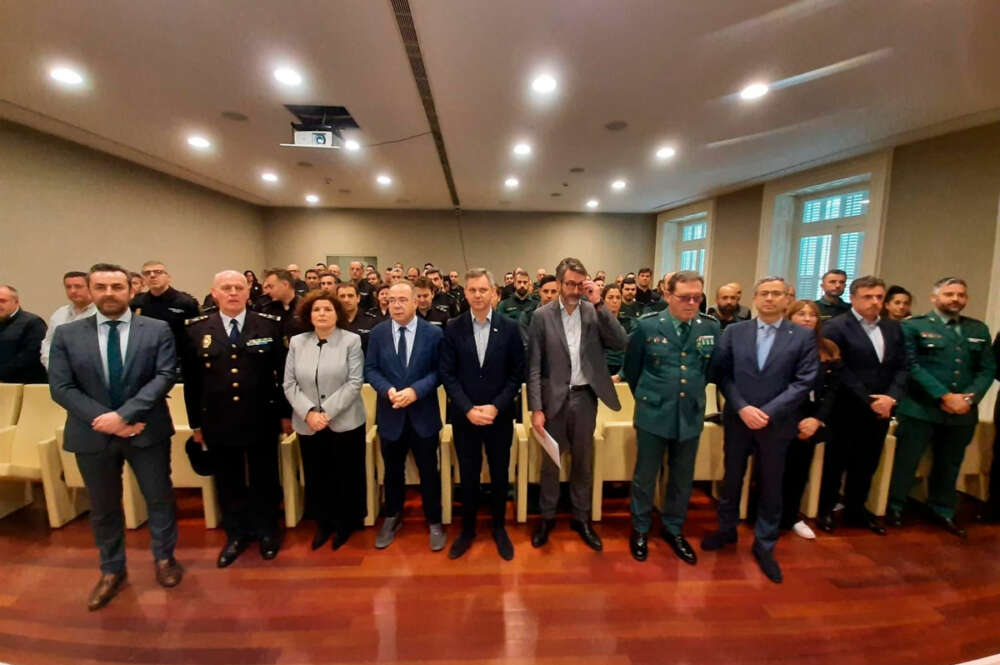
[
  {"x": 233, "y": 356},
  {"x": 958, "y": 360},
  {"x": 643, "y": 399},
  {"x": 234, "y": 371},
  {"x": 683, "y": 353},
  {"x": 234, "y": 346},
  {"x": 235, "y": 384},
  {"x": 236, "y": 398},
  {"x": 683, "y": 395},
  {"x": 684, "y": 380},
  {"x": 683, "y": 367}
]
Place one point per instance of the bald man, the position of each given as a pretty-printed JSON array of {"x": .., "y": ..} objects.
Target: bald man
[
  {"x": 298, "y": 283},
  {"x": 727, "y": 307}
]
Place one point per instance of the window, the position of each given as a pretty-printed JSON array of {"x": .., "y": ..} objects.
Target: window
[
  {"x": 693, "y": 259},
  {"x": 683, "y": 239},
  {"x": 831, "y": 235},
  {"x": 696, "y": 231}
]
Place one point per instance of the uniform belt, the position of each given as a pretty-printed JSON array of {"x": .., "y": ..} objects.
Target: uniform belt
[{"x": 576, "y": 388}]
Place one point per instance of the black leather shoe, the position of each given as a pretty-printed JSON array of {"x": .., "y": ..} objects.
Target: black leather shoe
[
  {"x": 269, "y": 546},
  {"x": 505, "y": 548},
  {"x": 231, "y": 551},
  {"x": 638, "y": 544},
  {"x": 894, "y": 518},
  {"x": 825, "y": 523},
  {"x": 587, "y": 534},
  {"x": 949, "y": 525},
  {"x": 107, "y": 588},
  {"x": 541, "y": 534},
  {"x": 460, "y": 546},
  {"x": 681, "y": 547},
  {"x": 866, "y": 521},
  {"x": 322, "y": 535},
  {"x": 717, "y": 540},
  {"x": 768, "y": 565},
  {"x": 340, "y": 538}
]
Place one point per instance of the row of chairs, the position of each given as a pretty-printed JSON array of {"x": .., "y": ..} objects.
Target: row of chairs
[{"x": 31, "y": 451}]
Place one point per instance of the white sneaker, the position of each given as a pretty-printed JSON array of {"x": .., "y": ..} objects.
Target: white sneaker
[{"x": 802, "y": 529}]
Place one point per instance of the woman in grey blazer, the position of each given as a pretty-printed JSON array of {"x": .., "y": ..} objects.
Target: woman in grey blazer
[{"x": 323, "y": 376}]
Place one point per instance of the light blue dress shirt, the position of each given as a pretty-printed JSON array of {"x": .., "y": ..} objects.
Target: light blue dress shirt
[
  {"x": 766, "y": 333},
  {"x": 481, "y": 333}
]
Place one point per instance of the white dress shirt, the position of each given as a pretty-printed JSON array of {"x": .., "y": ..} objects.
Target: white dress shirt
[
  {"x": 573, "y": 328},
  {"x": 102, "y": 337},
  {"x": 65, "y": 314},
  {"x": 481, "y": 334},
  {"x": 411, "y": 334},
  {"x": 874, "y": 333},
  {"x": 239, "y": 318}
]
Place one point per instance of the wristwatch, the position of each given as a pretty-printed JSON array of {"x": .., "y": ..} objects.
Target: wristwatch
[{"x": 968, "y": 399}]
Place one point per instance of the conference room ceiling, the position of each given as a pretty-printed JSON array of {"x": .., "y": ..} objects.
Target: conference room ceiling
[{"x": 845, "y": 76}]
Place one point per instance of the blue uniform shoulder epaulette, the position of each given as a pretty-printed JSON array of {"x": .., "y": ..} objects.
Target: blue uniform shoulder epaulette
[
  {"x": 196, "y": 319},
  {"x": 269, "y": 316}
]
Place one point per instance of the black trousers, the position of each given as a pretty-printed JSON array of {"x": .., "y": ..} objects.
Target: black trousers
[
  {"x": 470, "y": 440},
  {"x": 246, "y": 478},
  {"x": 334, "y": 465},
  {"x": 425, "y": 454},
  {"x": 855, "y": 446},
  {"x": 798, "y": 461},
  {"x": 102, "y": 474}
]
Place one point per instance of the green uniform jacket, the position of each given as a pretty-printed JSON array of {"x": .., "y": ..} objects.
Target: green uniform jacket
[
  {"x": 612, "y": 356},
  {"x": 668, "y": 378},
  {"x": 514, "y": 308},
  {"x": 632, "y": 310},
  {"x": 941, "y": 362}
]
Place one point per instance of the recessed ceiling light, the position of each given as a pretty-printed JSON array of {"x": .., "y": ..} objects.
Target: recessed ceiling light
[
  {"x": 544, "y": 84},
  {"x": 312, "y": 198},
  {"x": 593, "y": 203},
  {"x": 66, "y": 75},
  {"x": 522, "y": 149},
  {"x": 666, "y": 152},
  {"x": 199, "y": 142},
  {"x": 511, "y": 183},
  {"x": 383, "y": 180},
  {"x": 267, "y": 176},
  {"x": 287, "y": 76},
  {"x": 352, "y": 145},
  {"x": 754, "y": 91},
  {"x": 618, "y": 185}
]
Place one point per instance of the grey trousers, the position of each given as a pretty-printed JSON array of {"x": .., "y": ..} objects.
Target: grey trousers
[{"x": 573, "y": 429}]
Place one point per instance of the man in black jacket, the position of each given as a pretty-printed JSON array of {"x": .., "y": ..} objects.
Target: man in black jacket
[
  {"x": 482, "y": 366},
  {"x": 21, "y": 335},
  {"x": 872, "y": 380},
  {"x": 162, "y": 301}
]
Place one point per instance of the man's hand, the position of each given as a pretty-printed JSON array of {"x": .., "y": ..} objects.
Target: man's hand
[
  {"x": 882, "y": 405},
  {"x": 592, "y": 292},
  {"x": 391, "y": 394},
  {"x": 404, "y": 398},
  {"x": 317, "y": 420},
  {"x": 108, "y": 423},
  {"x": 538, "y": 421},
  {"x": 489, "y": 411},
  {"x": 808, "y": 427},
  {"x": 286, "y": 426},
  {"x": 198, "y": 437},
  {"x": 955, "y": 403},
  {"x": 477, "y": 417},
  {"x": 616, "y": 378},
  {"x": 754, "y": 418}
]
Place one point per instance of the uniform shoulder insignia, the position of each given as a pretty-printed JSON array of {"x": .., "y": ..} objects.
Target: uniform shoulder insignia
[
  {"x": 709, "y": 317},
  {"x": 649, "y": 315},
  {"x": 269, "y": 316},
  {"x": 921, "y": 317},
  {"x": 196, "y": 319}
]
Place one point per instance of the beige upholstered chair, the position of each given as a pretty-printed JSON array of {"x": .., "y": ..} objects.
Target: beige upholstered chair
[
  {"x": 10, "y": 403},
  {"x": 20, "y": 463}
]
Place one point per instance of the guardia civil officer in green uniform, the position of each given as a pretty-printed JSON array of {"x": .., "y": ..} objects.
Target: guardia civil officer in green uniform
[
  {"x": 519, "y": 302},
  {"x": 631, "y": 308},
  {"x": 951, "y": 367},
  {"x": 665, "y": 365}
]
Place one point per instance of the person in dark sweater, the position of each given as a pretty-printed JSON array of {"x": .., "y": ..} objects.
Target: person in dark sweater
[{"x": 21, "y": 335}]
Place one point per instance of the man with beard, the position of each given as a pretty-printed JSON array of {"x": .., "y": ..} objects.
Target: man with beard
[
  {"x": 441, "y": 300},
  {"x": 831, "y": 304},
  {"x": 727, "y": 308},
  {"x": 631, "y": 308},
  {"x": 423, "y": 290},
  {"x": 547, "y": 292},
  {"x": 951, "y": 368},
  {"x": 515, "y": 306}
]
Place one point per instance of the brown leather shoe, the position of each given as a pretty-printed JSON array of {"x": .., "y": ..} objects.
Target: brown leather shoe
[
  {"x": 107, "y": 587},
  {"x": 168, "y": 572}
]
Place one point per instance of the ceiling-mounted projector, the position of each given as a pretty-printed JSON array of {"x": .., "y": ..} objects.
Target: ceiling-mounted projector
[
  {"x": 319, "y": 126},
  {"x": 314, "y": 139}
]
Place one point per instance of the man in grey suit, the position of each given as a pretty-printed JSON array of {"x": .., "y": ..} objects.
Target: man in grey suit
[
  {"x": 567, "y": 374},
  {"x": 111, "y": 372}
]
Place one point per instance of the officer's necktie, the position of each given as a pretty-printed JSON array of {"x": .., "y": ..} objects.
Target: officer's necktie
[
  {"x": 952, "y": 325},
  {"x": 682, "y": 331},
  {"x": 401, "y": 349},
  {"x": 234, "y": 331},
  {"x": 114, "y": 365}
]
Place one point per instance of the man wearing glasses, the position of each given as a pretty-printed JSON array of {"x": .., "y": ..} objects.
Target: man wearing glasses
[
  {"x": 165, "y": 303},
  {"x": 667, "y": 359},
  {"x": 567, "y": 374}
]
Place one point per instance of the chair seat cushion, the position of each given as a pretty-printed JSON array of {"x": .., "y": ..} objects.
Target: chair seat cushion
[{"x": 20, "y": 472}]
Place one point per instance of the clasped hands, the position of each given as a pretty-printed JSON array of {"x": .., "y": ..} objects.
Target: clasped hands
[
  {"x": 402, "y": 398},
  {"x": 112, "y": 423},
  {"x": 483, "y": 414},
  {"x": 956, "y": 403}
]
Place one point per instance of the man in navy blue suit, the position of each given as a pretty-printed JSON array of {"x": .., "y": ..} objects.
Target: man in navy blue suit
[
  {"x": 765, "y": 367},
  {"x": 482, "y": 366},
  {"x": 402, "y": 367}
]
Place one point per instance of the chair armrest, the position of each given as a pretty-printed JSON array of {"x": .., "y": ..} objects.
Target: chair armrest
[{"x": 7, "y": 442}]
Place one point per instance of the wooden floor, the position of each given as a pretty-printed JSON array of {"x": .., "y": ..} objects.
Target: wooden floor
[{"x": 918, "y": 596}]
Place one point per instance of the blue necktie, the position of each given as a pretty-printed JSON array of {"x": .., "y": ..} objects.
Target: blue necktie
[
  {"x": 765, "y": 339},
  {"x": 114, "y": 365},
  {"x": 234, "y": 332},
  {"x": 401, "y": 349}
]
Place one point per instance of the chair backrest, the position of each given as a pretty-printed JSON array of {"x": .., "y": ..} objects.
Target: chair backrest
[
  {"x": 443, "y": 403},
  {"x": 711, "y": 401},
  {"x": 175, "y": 402},
  {"x": 525, "y": 413},
  {"x": 40, "y": 417},
  {"x": 10, "y": 403},
  {"x": 368, "y": 397}
]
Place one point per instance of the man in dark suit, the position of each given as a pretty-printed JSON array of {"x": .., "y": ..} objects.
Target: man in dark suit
[
  {"x": 765, "y": 368},
  {"x": 567, "y": 374},
  {"x": 112, "y": 372},
  {"x": 872, "y": 380},
  {"x": 402, "y": 366},
  {"x": 482, "y": 366},
  {"x": 21, "y": 337},
  {"x": 233, "y": 364}
]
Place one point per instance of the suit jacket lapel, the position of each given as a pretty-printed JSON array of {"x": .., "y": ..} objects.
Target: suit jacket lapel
[
  {"x": 856, "y": 328},
  {"x": 136, "y": 330},
  {"x": 415, "y": 343},
  {"x": 93, "y": 341},
  {"x": 781, "y": 336},
  {"x": 491, "y": 342},
  {"x": 557, "y": 311}
]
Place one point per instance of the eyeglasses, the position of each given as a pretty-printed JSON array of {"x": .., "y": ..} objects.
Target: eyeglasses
[
  {"x": 691, "y": 299},
  {"x": 153, "y": 273},
  {"x": 571, "y": 284},
  {"x": 771, "y": 294}
]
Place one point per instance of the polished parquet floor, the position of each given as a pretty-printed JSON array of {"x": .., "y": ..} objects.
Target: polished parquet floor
[{"x": 918, "y": 596}]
